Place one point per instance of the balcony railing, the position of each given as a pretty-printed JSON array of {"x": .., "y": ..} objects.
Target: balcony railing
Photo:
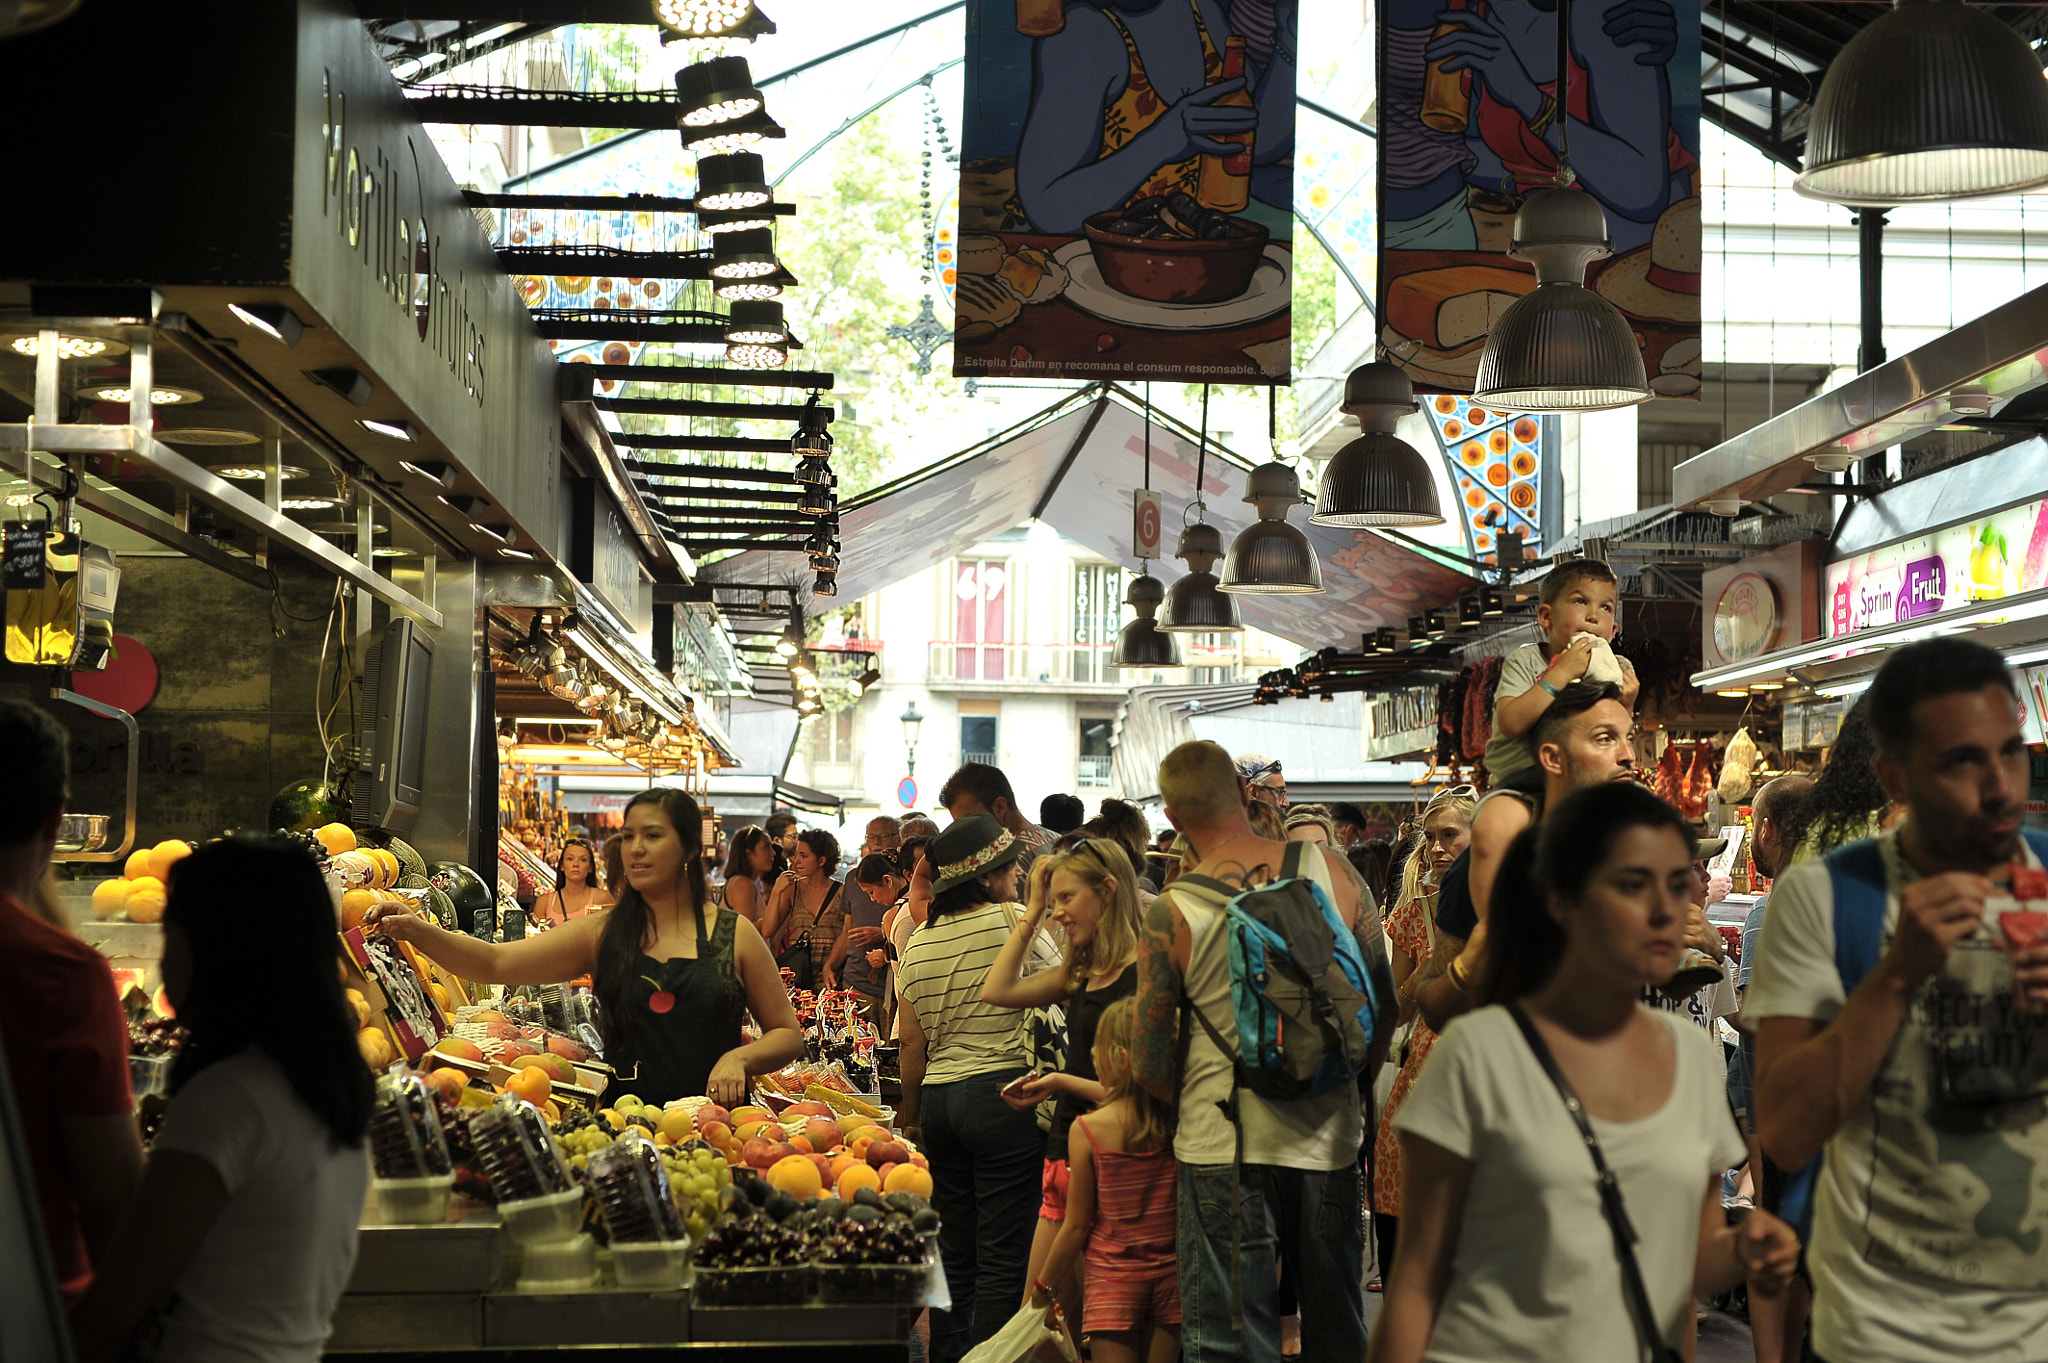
[
  {"x": 1095, "y": 770},
  {"x": 987, "y": 759},
  {"x": 959, "y": 661}
]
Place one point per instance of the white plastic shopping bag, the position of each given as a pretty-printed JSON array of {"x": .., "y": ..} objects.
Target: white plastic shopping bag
[{"x": 1033, "y": 1335}]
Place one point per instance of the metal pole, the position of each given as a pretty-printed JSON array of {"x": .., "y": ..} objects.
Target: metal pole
[{"x": 1870, "y": 272}]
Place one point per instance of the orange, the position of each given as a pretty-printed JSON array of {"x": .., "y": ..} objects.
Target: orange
[
  {"x": 531, "y": 1083},
  {"x": 359, "y": 1004},
  {"x": 797, "y": 1176},
  {"x": 840, "y": 1164},
  {"x": 146, "y": 907},
  {"x": 167, "y": 854},
  {"x": 336, "y": 838},
  {"x": 138, "y": 863},
  {"x": 440, "y": 993},
  {"x": 375, "y": 1046},
  {"x": 109, "y": 897},
  {"x": 676, "y": 1124},
  {"x": 354, "y": 905},
  {"x": 855, "y": 1177},
  {"x": 908, "y": 1178}
]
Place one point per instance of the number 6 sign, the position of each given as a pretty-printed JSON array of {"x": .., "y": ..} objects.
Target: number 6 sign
[{"x": 1145, "y": 523}]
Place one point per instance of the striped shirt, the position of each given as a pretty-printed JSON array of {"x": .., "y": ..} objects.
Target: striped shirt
[{"x": 942, "y": 973}]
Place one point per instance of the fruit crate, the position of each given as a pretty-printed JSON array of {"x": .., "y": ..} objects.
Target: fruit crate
[{"x": 772, "y": 1285}]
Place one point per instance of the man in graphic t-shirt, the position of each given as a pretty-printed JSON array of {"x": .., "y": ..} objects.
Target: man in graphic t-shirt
[{"x": 1923, "y": 1084}]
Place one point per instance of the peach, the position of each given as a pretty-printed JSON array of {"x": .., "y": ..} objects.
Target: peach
[
  {"x": 717, "y": 1134},
  {"x": 887, "y": 1152},
  {"x": 757, "y": 1153},
  {"x": 712, "y": 1112},
  {"x": 853, "y": 1178},
  {"x": 801, "y": 1144},
  {"x": 908, "y": 1178},
  {"x": 448, "y": 1084},
  {"x": 796, "y": 1176}
]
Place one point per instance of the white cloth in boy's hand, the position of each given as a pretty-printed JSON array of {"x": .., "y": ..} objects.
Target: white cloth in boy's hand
[{"x": 1605, "y": 668}]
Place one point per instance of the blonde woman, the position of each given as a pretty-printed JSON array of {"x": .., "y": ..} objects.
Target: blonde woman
[
  {"x": 1310, "y": 823},
  {"x": 1411, "y": 935},
  {"x": 1091, "y": 892}
]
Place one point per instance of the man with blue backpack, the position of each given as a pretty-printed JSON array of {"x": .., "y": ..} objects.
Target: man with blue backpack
[
  {"x": 1265, "y": 1001},
  {"x": 1902, "y": 1037}
]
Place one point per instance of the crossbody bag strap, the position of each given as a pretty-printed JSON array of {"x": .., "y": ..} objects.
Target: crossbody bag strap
[{"x": 1611, "y": 1205}]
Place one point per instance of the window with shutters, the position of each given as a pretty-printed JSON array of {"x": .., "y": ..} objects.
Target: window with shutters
[{"x": 980, "y": 604}]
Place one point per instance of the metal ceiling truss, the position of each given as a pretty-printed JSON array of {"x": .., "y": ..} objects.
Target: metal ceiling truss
[
  {"x": 605, "y": 203},
  {"x": 516, "y": 106}
]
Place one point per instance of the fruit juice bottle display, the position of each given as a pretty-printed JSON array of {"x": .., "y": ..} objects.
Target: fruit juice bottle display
[
  {"x": 42, "y": 594},
  {"x": 1041, "y": 18},
  {"x": 1446, "y": 95},
  {"x": 633, "y": 1193},
  {"x": 406, "y": 1139},
  {"x": 1226, "y": 182},
  {"x": 516, "y": 1151}
]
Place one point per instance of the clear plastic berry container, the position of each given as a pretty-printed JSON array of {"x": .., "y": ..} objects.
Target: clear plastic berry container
[
  {"x": 633, "y": 1193},
  {"x": 406, "y": 1139},
  {"x": 517, "y": 1152}
]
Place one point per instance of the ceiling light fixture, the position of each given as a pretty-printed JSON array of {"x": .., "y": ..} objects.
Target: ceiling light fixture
[
  {"x": 1935, "y": 101},
  {"x": 459, "y": 501},
  {"x": 711, "y": 223},
  {"x": 742, "y": 290},
  {"x": 1469, "y": 612},
  {"x": 716, "y": 91},
  {"x": 1269, "y": 556},
  {"x": 254, "y": 473},
  {"x": 1141, "y": 643},
  {"x": 744, "y": 255},
  {"x": 397, "y": 430},
  {"x": 716, "y": 139},
  {"x": 69, "y": 347},
  {"x": 1561, "y": 347},
  {"x": 308, "y": 503},
  {"x": 825, "y": 584},
  {"x": 757, "y": 355},
  {"x": 1379, "y": 478},
  {"x": 755, "y": 323},
  {"x": 352, "y": 384},
  {"x": 434, "y": 471},
  {"x": 705, "y": 18},
  {"x": 787, "y": 646},
  {"x": 274, "y": 320},
  {"x": 731, "y": 181},
  {"x": 158, "y": 397},
  {"x": 1195, "y": 603},
  {"x": 503, "y": 534}
]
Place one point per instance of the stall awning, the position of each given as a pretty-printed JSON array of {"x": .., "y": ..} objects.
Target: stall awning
[
  {"x": 1074, "y": 466},
  {"x": 1320, "y": 747},
  {"x": 755, "y": 797}
]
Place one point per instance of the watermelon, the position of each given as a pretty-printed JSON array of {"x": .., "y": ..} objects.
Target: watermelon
[{"x": 305, "y": 805}]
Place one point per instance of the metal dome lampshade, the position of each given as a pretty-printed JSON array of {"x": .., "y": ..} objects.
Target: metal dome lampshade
[
  {"x": 1141, "y": 644},
  {"x": 1561, "y": 347},
  {"x": 1935, "y": 101},
  {"x": 1379, "y": 478},
  {"x": 1269, "y": 556},
  {"x": 1195, "y": 605}
]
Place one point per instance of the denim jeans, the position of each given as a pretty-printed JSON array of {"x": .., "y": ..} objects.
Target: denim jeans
[
  {"x": 988, "y": 1161},
  {"x": 1316, "y": 1219}
]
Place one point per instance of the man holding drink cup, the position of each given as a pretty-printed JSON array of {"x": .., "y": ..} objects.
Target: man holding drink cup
[{"x": 1900, "y": 996}]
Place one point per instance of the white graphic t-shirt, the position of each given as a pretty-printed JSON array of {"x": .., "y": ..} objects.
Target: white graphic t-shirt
[{"x": 1930, "y": 1237}]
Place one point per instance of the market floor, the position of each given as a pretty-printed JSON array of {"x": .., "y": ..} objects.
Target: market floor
[{"x": 1723, "y": 1339}]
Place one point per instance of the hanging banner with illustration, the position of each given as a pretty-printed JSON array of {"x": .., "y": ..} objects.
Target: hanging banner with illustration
[
  {"x": 1126, "y": 190},
  {"x": 1470, "y": 124}
]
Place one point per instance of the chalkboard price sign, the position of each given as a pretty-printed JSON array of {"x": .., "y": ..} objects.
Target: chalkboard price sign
[{"x": 22, "y": 568}]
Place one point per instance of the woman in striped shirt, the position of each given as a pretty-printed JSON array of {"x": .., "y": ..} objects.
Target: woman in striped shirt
[{"x": 959, "y": 1053}]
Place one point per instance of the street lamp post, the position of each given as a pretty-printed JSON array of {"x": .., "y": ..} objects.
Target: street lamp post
[{"x": 912, "y": 720}]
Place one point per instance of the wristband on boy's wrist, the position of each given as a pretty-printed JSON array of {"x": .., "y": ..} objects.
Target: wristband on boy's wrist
[{"x": 1545, "y": 682}]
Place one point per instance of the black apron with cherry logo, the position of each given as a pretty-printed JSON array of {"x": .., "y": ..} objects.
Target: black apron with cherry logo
[{"x": 683, "y": 1014}]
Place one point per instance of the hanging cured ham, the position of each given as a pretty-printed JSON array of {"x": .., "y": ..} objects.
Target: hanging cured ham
[{"x": 1670, "y": 783}]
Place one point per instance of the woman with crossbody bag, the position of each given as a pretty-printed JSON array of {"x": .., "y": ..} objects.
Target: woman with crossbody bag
[
  {"x": 805, "y": 913},
  {"x": 1563, "y": 1148}
]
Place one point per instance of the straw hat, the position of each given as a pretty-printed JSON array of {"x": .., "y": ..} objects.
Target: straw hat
[
  {"x": 970, "y": 847},
  {"x": 1661, "y": 281}
]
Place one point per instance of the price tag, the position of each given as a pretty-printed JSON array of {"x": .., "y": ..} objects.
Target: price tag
[
  {"x": 24, "y": 558},
  {"x": 1145, "y": 523}
]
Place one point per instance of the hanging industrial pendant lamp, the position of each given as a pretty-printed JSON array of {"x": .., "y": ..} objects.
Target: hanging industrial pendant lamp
[
  {"x": 1561, "y": 347},
  {"x": 1142, "y": 644},
  {"x": 1269, "y": 556},
  {"x": 732, "y": 181},
  {"x": 716, "y": 91},
  {"x": 1196, "y": 604},
  {"x": 1937, "y": 100},
  {"x": 1379, "y": 478}
]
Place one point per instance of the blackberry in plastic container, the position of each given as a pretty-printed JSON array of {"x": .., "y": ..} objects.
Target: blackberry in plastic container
[
  {"x": 406, "y": 1139},
  {"x": 631, "y": 1182},
  {"x": 517, "y": 1153}
]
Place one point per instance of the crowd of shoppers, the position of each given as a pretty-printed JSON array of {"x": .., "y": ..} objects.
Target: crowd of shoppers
[{"x": 1541, "y": 1165}]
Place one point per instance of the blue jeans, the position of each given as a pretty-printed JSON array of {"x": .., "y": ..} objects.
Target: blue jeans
[
  {"x": 988, "y": 1160},
  {"x": 1317, "y": 1220}
]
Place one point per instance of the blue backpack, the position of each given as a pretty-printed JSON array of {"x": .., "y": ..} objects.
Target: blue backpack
[
  {"x": 1305, "y": 1003},
  {"x": 1857, "y": 877}
]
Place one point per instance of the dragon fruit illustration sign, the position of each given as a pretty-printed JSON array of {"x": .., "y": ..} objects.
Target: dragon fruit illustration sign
[
  {"x": 1982, "y": 560},
  {"x": 1126, "y": 190},
  {"x": 1472, "y": 121}
]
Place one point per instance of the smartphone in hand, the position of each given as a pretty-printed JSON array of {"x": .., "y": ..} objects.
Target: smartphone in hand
[{"x": 1015, "y": 1088}]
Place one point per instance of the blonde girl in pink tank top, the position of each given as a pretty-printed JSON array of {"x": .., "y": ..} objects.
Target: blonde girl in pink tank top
[{"x": 1120, "y": 1211}]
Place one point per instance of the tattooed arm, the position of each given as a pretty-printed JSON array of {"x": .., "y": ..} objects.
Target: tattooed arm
[{"x": 1162, "y": 964}]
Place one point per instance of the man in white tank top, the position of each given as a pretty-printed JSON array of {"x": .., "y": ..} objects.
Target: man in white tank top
[{"x": 1301, "y": 1188}]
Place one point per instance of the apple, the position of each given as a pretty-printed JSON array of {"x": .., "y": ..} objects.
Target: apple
[
  {"x": 759, "y": 1154},
  {"x": 712, "y": 1112}
]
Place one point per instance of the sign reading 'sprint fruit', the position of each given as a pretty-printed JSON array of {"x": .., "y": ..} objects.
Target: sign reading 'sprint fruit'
[
  {"x": 1982, "y": 560},
  {"x": 1471, "y": 121},
  {"x": 1126, "y": 190}
]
